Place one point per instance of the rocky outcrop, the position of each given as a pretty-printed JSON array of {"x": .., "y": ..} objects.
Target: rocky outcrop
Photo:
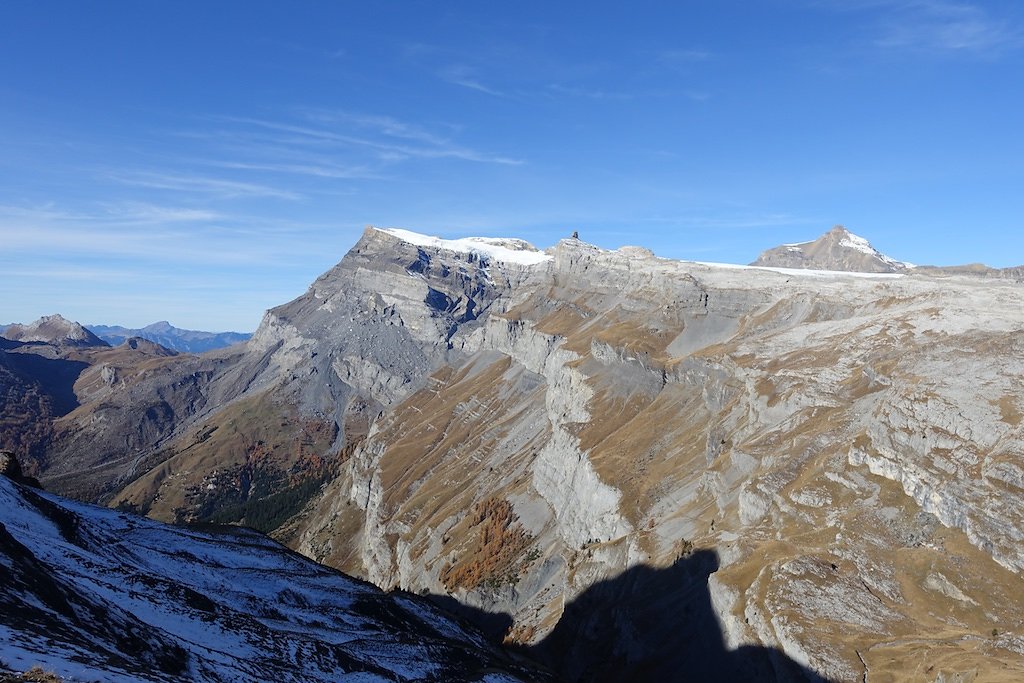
[{"x": 11, "y": 468}]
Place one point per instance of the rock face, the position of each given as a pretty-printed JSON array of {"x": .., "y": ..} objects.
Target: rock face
[
  {"x": 837, "y": 249},
  {"x": 171, "y": 337},
  {"x": 92, "y": 594},
  {"x": 826, "y": 467},
  {"x": 11, "y": 468},
  {"x": 53, "y": 329}
]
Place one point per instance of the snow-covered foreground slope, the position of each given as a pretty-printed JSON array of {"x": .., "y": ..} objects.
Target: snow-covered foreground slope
[{"x": 94, "y": 594}]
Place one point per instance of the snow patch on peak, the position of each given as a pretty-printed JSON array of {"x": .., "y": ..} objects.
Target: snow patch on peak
[
  {"x": 508, "y": 250},
  {"x": 858, "y": 243}
]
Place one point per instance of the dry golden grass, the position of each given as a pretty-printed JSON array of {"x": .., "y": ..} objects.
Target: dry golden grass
[{"x": 1008, "y": 411}]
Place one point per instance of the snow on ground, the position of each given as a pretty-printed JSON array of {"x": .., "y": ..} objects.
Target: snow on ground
[
  {"x": 860, "y": 244},
  {"x": 495, "y": 248},
  {"x": 806, "y": 272},
  {"x": 160, "y": 603}
]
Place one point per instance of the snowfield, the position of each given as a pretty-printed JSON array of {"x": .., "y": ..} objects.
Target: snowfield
[{"x": 495, "y": 248}]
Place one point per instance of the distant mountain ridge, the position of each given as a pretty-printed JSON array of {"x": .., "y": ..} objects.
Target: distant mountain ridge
[
  {"x": 174, "y": 338},
  {"x": 836, "y": 250}
]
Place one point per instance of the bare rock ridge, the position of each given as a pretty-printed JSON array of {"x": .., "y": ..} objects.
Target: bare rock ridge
[
  {"x": 832, "y": 460},
  {"x": 837, "y": 249},
  {"x": 93, "y": 594}
]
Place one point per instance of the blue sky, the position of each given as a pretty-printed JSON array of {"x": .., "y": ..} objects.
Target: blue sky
[{"x": 203, "y": 161}]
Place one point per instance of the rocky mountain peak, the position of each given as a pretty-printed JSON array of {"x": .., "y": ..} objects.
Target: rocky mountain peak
[
  {"x": 161, "y": 326},
  {"x": 838, "y": 249},
  {"x": 54, "y": 329}
]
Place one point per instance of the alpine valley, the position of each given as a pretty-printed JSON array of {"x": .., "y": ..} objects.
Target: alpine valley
[{"x": 622, "y": 466}]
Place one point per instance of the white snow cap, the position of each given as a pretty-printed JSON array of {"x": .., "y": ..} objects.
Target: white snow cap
[
  {"x": 858, "y": 243},
  {"x": 504, "y": 249}
]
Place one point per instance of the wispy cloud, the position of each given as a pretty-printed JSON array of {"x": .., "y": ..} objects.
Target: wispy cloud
[
  {"x": 123, "y": 213},
  {"x": 937, "y": 26},
  {"x": 452, "y": 66},
  {"x": 948, "y": 26},
  {"x": 221, "y": 187},
  {"x": 467, "y": 77},
  {"x": 684, "y": 55},
  {"x": 316, "y": 170},
  {"x": 144, "y": 213},
  {"x": 726, "y": 220},
  {"x": 746, "y": 221},
  {"x": 588, "y": 93},
  {"x": 165, "y": 234},
  {"x": 391, "y": 139},
  {"x": 75, "y": 273},
  {"x": 380, "y": 124}
]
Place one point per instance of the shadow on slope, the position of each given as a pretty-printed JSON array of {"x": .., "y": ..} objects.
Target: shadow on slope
[
  {"x": 55, "y": 377},
  {"x": 648, "y": 624},
  {"x": 652, "y": 624},
  {"x": 34, "y": 391}
]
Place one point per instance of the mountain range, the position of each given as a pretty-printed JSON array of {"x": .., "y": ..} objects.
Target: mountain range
[
  {"x": 174, "y": 338},
  {"x": 56, "y": 329},
  {"x": 809, "y": 471}
]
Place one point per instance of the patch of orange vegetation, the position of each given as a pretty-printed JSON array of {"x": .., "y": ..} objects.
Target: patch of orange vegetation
[
  {"x": 498, "y": 548},
  {"x": 520, "y": 634}
]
